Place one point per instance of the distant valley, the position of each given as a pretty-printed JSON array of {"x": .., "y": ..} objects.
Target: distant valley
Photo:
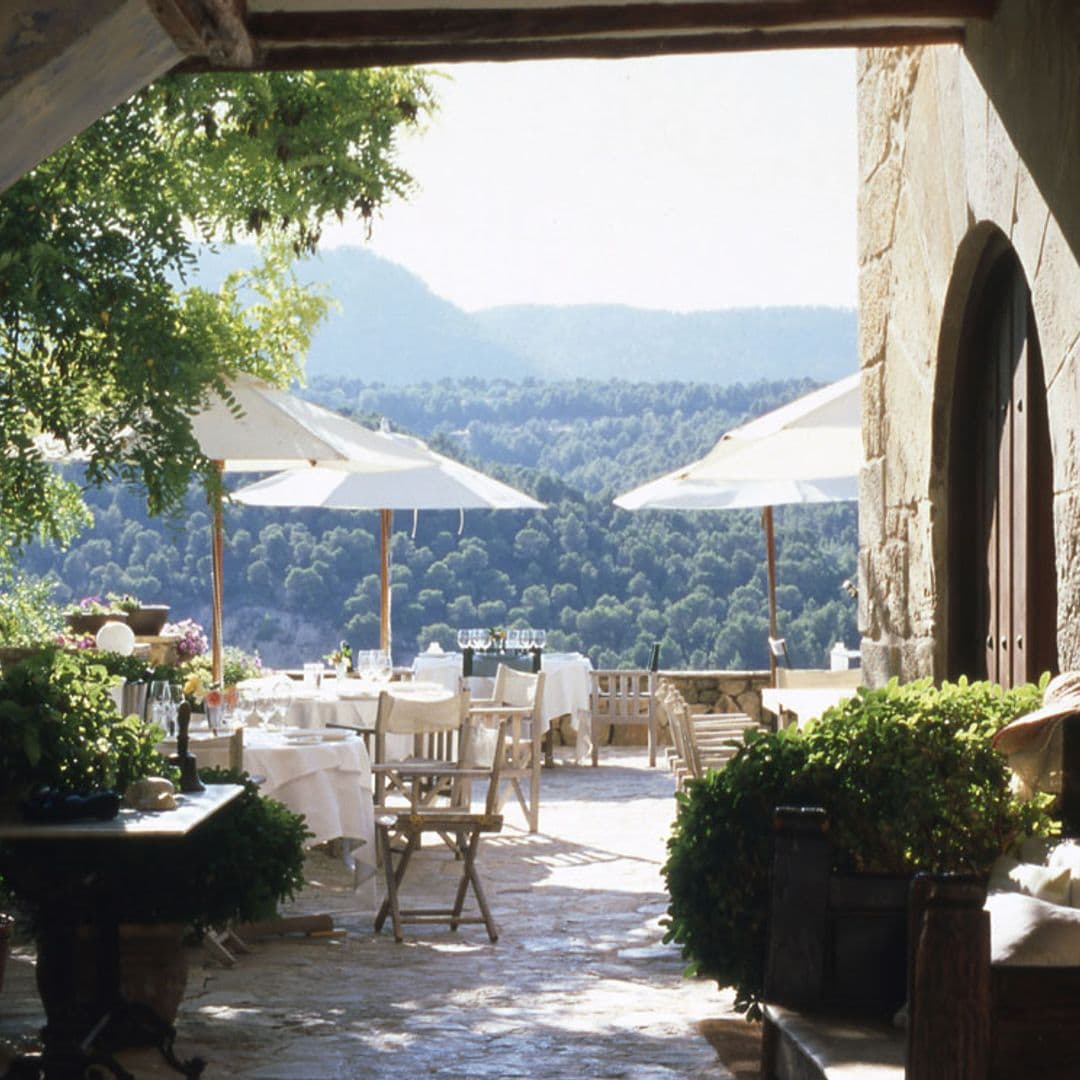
[{"x": 390, "y": 327}]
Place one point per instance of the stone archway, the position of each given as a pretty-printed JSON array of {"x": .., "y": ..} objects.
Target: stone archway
[{"x": 1001, "y": 581}]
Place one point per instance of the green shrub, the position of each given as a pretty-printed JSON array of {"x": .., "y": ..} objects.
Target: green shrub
[
  {"x": 908, "y": 778},
  {"x": 60, "y": 728}
]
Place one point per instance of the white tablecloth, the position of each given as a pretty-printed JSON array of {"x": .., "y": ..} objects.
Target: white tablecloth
[
  {"x": 804, "y": 703},
  {"x": 328, "y": 782},
  {"x": 443, "y": 668},
  {"x": 323, "y": 707}
]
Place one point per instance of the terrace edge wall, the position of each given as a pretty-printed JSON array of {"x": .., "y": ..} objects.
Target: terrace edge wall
[{"x": 956, "y": 144}]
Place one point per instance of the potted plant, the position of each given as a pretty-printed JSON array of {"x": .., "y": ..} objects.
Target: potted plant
[
  {"x": 61, "y": 729},
  {"x": 145, "y": 620},
  {"x": 90, "y": 614},
  {"x": 341, "y": 660},
  {"x": 195, "y": 672},
  {"x": 908, "y": 779},
  {"x": 29, "y": 617}
]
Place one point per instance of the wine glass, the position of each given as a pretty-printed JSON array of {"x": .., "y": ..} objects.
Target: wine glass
[
  {"x": 539, "y": 638},
  {"x": 265, "y": 706},
  {"x": 463, "y": 638},
  {"x": 245, "y": 708}
]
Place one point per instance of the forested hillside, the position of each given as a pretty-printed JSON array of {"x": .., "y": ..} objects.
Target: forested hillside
[{"x": 598, "y": 579}]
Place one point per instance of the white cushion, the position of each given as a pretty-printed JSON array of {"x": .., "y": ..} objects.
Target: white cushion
[
  {"x": 1046, "y": 883},
  {"x": 1027, "y": 931}
]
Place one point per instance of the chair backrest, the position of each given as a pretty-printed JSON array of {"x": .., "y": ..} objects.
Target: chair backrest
[
  {"x": 485, "y": 754},
  {"x": 665, "y": 701},
  {"x": 519, "y": 689},
  {"x": 809, "y": 678},
  {"x": 219, "y": 751},
  {"x": 622, "y": 696},
  {"x": 435, "y": 722}
]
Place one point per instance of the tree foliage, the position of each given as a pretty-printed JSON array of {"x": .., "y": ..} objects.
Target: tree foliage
[
  {"x": 600, "y": 580},
  {"x": 101, "y": 344}
]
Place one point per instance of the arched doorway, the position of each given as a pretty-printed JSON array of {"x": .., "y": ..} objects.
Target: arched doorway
[{"x": 1002, "y": 575}]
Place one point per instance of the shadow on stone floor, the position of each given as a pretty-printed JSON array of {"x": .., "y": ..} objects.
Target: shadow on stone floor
[{"x": 579, "y": 984}]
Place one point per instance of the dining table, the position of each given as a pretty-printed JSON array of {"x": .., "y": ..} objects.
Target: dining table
[
  {"x": 321, "y": 772},
  {"x": 567, "y": 686},
  {"x": 804, "y": 703}
]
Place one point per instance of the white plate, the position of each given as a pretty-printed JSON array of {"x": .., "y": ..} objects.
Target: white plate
[{"x": 310, "y": 736}]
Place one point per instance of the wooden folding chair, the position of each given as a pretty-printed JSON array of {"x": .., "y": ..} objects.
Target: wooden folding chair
[
  {"x": 431, "y": 729},
  {"x": 518, "y": 702},
  {"x": 621, "y": 697},
  {"x": 457, "y": 819}
]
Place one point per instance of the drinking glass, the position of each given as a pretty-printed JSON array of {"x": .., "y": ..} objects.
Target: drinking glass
[
  {"x": 158, "y": 700},
  {"x": 513, "y": 638},
  {"x": 382, "y": 667},
  {"x": 282, "y": 698},
  {"x": 176, "y": 699}
]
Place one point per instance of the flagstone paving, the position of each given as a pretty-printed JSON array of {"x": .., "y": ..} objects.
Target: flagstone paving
[{"x": 578, "y": 985}]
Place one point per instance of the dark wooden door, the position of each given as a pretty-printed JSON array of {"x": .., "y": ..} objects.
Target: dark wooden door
[{"x": 1004, "y": 611}]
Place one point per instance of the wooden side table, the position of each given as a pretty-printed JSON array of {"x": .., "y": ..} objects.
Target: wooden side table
[{"x": 85, "y": 1024}]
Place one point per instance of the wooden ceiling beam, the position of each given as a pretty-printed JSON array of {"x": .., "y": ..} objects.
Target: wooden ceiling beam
[
  {"x": 342, "y": 29},
  {"x": 604, "y": 47},
  {"x": 214, "y": 29}
]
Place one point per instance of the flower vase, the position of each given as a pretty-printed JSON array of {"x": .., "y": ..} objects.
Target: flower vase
[{"x": 341, "y": 671}]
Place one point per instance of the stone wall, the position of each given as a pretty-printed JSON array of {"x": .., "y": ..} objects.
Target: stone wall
[
  {"x": 958, "y": 145},
  {"x": 721, "y": 691}
]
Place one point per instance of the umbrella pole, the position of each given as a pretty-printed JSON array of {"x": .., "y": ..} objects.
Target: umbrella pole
[
  {"x": 770, "y": 556},
  {"x": 216, "y": 566},
  {"x": 386, "y": 518}
]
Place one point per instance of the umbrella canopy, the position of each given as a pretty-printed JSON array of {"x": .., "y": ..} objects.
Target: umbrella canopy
[
  {"x": 808, "y": 451},
  {"x": 265, "y": 429},
  {"x": 262, "y": 429},
  {"x": 439, "y": 484}
]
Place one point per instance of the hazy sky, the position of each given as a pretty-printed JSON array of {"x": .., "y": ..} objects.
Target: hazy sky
[{"x": 682, "y": 183}]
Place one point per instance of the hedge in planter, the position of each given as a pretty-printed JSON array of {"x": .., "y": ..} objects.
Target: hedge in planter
[
  {"x": 909, "y": 781},
  {"x": 59, "y": 728}
]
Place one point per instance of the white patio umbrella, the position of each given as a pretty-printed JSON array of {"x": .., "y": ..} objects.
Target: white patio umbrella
[
  {"x": 439, "y": 484},
  {"x": 808, "y": 451},
  {"x": 264, "y": 429}
]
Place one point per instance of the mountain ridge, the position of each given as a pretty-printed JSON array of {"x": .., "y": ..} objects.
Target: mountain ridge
[{"x": 389, "y": 326}]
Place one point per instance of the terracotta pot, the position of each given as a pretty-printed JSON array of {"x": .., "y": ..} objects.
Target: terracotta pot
[
  {"x": 154, "y": 966},
  {"x": 153, "y": 970},
  {"x": 149, "y": 620},
  {"x": 91, "y": 624},
  {"x": 13, "y": 654}
]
